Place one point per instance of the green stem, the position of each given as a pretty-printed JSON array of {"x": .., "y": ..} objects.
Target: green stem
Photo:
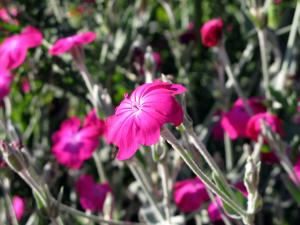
[
  {"x": 208, "y": 158},
  {"x": 75, "y": 212},
  {"x": 169, "y": 137},
  {"x": 99, "y": 166}
]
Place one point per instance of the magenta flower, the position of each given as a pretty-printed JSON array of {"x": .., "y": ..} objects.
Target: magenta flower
[
  {"x": 253, "y": 128},
  {"x": 297, "y": 170},
  {"x": 25, "y": 85},
  {"x": 234, "y": 122},
  {"x": 189, "y": 194},
  {"x": 7, "y": 15},
  {"x": 211, "y": 32},
  {"x": 91, "y": 195},
  {"x": 19, "y": 206},
  {"x": 139, "y": 117},
  {"x": 66, "y": 44},
  {"x": 73, "y": 143},
  {"x": 5, "y": 81},
  {"x": 13, "y": 50},
  {"x": 214, "y": 210}
]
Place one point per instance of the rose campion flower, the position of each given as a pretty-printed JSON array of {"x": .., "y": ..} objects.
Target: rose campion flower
[
  {"x": 66, "y": 44},
  {"x": 214, "y": 210},
  {"x": 253, "y": 128},
  {"x": 139, "y": 117},
  {"x": 297, "y": 170},
  {"x": 13, "y": 50},
  {"x": 234, "y": 122},
  {"x": 211, "y": 32},
  {"x": 73, "y": 143},
  {"x": 7, "y": 13},
  {"x": 5, "y": 81},
  {"x": 189, "y": 194},
  {"x": 18, "y": 204},
  {"x": 25, "y": 85},
  {"x": 91, "y": 195}
]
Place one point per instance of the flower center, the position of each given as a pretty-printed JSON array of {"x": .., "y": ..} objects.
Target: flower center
[{"x": 136, "y": 106}]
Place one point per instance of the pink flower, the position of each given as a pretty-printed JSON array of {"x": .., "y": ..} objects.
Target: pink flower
[
  {"x": 91, "y": 195},
  {"x": 139, "y": 117},
  {"x": 19, "y": 206},
  {"x": 297, "y": 170},
  {"x": 189, "y": 194},
  {"x": 214, "y": 210},
  {"x": 5, "y": 81},
  {"x": 66, "y": 44},
  {"x": 253, "y": 128},
  {"x": 6, "y": 13},
  {"x": 211, "y": 32},
  {"x": 13, "y": 50},
  {"x": 25, "y": 85},
  {"x": 234, "y": 122},
  {"x": 73, "y": 143}
]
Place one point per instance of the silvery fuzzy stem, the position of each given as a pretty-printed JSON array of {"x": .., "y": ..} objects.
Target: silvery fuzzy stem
[
  {"x": 99, "y": 96},
  {"x": 207, "y": 157},
  {"x": 264, "y": 60},
  {"x": 136, "y": 173},
  {"x": 11, "y": 216},
  {"x": 99, "y": 166},
  {"x": 276, "y": 143},
  {"x": 164, "y": 174},
  {"x": 280, "y": 79},
  {"x": 251, "y": 181},
  {"x": 169, "y": 137},
  {"x": 96, "y": 219},
  {"x": 226, "y": 63}
]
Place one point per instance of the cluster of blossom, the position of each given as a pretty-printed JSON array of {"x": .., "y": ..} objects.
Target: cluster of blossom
[{"x": 136, "y": 121}]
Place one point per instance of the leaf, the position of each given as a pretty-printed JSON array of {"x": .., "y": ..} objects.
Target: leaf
[
  {"x": 294, "y": 191},
  {"x": 242, "y": 201}
]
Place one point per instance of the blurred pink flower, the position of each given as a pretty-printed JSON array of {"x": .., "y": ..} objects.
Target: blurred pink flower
[
  {"x": 91, "y": 195},
  {"x": 211, "y": 32},
  {"x": 253, "y": 128},
  {"x": 5, "y": 81},
  {"x": 277, "y": 2},
  {"x": 189, "y": 194},
  {"x": 189, "y": 34},
  {"x": 19, "y": 206},
  {"x": 297, "y": 170},
  {"x": 25, "y": 85},
  {"x": 73, "y": 143},
  {"x": 7, "y": 13},
  {"x": 66, "y": 44},
  {"x": 13, "y": 50},
  {"x": 234, "y": 122},
  {"x": 214, "y": 210},
  {"x": 139, "y": 117}
]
